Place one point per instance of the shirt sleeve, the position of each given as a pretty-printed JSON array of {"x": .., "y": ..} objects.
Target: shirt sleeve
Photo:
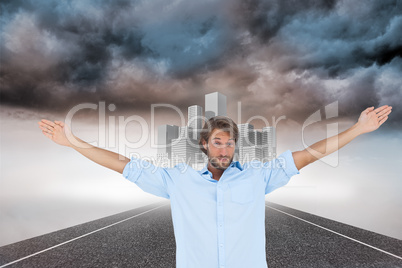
[
  {"x": 278, "y": 172},
  {"x": 148, "y": 177}
]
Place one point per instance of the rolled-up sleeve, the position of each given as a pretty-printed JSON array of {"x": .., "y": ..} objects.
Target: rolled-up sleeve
[
  {"x": 278, "y": 172},
  {"x": 150, "y": 178}
]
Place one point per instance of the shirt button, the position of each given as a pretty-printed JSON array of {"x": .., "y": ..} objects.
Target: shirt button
[{"x": 221, "y": 245}]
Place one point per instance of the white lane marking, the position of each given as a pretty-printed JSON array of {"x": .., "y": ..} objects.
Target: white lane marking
[
  {"x": 71, "y": 240},
  {"x": 393, "y": 255}
]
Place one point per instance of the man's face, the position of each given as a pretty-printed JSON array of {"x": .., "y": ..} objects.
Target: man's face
[{"x": 220, "y": 149}]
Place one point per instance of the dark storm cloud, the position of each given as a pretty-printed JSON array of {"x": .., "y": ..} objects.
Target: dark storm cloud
[
  {"x": 265, "y": 18},
  {"x": 81, "y": 46},
  {"x": 344, "y": 38},
  {"x": 284, "y": 57},
  {"x": 312, "y": 53}
]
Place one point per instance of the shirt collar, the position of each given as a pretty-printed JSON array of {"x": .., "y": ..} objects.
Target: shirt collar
[{"x": 234, "y": 164}]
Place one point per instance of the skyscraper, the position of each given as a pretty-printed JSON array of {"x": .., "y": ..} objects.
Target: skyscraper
[
  {"x": 195, "y": 121},
  {"x": 269, "y": 143},
  {"x": 215, "y": 104},
  {"x": 250, "y": 153},
  {"x": 166, "y": 133},
  {"x": 244, "y": 140},
  {"x": 184, "y": 148},
  {"x": 183, "y": 132},
  {"x": 255, "y": 137},
  {"x": 244, "y": 134}
]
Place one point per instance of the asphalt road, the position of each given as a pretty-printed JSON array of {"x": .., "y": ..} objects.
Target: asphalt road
[{"x": 144, "y": 237}]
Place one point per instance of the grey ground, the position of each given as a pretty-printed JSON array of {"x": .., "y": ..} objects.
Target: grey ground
[{"x": 148, "y": 241}]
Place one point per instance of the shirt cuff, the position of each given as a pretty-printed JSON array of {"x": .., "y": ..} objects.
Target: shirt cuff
[
  {"x": 132, "y": 170},
  {"x": 288, "y": 164}
]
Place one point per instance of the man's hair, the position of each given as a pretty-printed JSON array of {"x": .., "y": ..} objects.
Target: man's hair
[{"x": 218, "y": 122}]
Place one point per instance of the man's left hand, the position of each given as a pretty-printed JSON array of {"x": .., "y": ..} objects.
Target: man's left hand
[{"x": 371, "y": 119}]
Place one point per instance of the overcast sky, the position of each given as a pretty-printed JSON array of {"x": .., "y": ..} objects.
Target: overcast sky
[{"x": 278, "y": 58}]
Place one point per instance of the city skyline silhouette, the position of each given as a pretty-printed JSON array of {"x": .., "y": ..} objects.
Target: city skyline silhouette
[{"x": 178, "y": 144}]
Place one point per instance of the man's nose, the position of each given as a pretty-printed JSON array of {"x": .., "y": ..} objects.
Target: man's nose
[{"x": 223, "y": 151}]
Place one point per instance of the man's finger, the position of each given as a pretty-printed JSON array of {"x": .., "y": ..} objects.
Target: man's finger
[
  {"x": 385, "y": 111},
  {"x": 50, "y": 123},
  {"x": 44, "y": 126},
  {"x": 47, "y": 135},
  {"x": 60, "y": 123},
  {"x": 379, "y": 109},
  {"x": 368, "y": 110},
  {"x": 383, "y": 120}
]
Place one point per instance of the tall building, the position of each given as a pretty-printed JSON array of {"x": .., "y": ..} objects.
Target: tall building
[
  {"x": 250, "y": 146},
  {"x": 255, "y": 137},
  {"x": 184, "y": 150},
  {"x": 166, "y": 133},
  {"x": 269, "y": 143},
  {"x": 250, "y": 153},
  {"x": 195, "y": 121},
  {"x": 244, "y": 139},
  {"x": 215, "y": 104},
  {"x": 244, "y": 134}
]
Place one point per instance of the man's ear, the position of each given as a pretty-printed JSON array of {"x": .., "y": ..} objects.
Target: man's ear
[{"x": 205, "y": 144}]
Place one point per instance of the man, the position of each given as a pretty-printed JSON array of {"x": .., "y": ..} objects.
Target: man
[{"x": 219, "y": 212}]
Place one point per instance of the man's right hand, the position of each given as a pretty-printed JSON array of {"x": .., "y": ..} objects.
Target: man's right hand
[
  {"x": 57, "y": 131},
  {"x": 61, "y": 134}
]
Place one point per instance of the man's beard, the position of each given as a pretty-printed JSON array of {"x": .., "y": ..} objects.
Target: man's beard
[{"x": 216, "y": 164}]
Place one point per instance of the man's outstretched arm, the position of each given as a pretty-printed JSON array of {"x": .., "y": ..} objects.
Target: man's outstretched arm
[
  {"x": 369, "y": 121},
  {"x": 61, "y": 134}
]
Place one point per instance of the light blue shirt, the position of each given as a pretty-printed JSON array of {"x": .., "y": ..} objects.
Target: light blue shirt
[{"x": 217, "y": 224}]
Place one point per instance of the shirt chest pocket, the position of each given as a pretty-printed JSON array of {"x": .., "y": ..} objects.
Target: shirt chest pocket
[{"x": 242, "y": 193}]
